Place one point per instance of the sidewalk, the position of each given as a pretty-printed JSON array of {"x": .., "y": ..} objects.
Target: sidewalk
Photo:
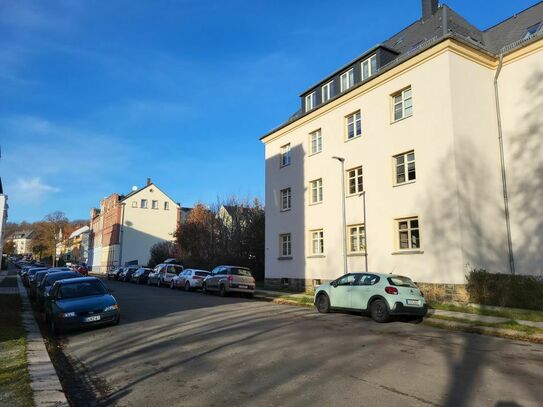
[{"x": 307, "y": 299}]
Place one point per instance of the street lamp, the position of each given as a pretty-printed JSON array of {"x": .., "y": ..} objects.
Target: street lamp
[
  {"x": 363, "y": 195},
  {"x": 344, "y": 231}
]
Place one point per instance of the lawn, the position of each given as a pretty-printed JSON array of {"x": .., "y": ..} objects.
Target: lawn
[
  {"x": 15, "y": 388},
  {"x": 509, "y": 313}
]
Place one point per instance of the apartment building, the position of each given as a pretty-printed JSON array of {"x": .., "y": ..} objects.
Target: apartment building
[
  {"x": 431, "y": 142},
  {"x": 3, "y": 217},
  {"x": 22, "y": 241},
  {"x": 125, "y": 227}
]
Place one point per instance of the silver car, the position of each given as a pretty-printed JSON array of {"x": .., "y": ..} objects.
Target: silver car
[
  {"x": 189, "y": 279},
  {"x": 163, "y": 274},
  {"x": 230, "y": 279}
]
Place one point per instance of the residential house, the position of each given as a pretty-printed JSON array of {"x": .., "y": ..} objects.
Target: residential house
[
  {"x": 437, "y": 134},
  {"x": 125, "y": 227},
  {"x": 22, "y": 241},
  {"x": 3, "y": 217}
]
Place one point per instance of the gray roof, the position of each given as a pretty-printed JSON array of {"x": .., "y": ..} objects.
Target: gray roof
[
  {"x": 23, "y": 234},
  {"x": 446, "y": 23}
]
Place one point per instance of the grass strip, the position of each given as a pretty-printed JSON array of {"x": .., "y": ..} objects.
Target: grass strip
[
  {"x": 509, "y": 325},
  {"x": 15, "y": 390},
  {"x": 509, "y": 313}
]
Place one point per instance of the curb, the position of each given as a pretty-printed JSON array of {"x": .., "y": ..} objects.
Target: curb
[{"x": 46, "y": 387}]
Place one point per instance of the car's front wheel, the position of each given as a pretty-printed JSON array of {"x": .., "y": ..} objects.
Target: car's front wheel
[
  {"x": 54, "y": 328},
  {"x": 323, "y": 303},
  {"x": 379, "y": 311},
  {"x": 171, "y": 285},
  {"x": 204, "y": 289},
  {"x": 187, "y": 286},
  {"x": 222, "y": 291}
]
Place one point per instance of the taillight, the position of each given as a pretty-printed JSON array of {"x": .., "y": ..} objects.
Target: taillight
[
  {"x": 391, "y": 290},
  {"x": 230, "y": 278}
]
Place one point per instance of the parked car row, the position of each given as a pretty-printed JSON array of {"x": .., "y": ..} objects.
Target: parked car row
[
  {"x": 222, "y": 279},
  {"x": 68, "y": 299}
]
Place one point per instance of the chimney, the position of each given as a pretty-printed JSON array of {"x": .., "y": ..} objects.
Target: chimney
[
  {"x": 148, "y": 181},
  {"x": 429, "y": 8}
]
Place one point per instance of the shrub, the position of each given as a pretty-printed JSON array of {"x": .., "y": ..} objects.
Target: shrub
[{"x": 505, "y": 290}]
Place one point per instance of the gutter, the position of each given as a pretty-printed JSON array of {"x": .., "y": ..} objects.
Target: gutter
[{"x": 502, "y": 166}]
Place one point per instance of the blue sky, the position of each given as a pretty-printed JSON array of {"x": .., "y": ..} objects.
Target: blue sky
[{"x": 96, "y": 96}]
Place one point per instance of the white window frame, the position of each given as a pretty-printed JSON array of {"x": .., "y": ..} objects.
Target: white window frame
[
  {"x": 405, "y": 167},
  {"x": 371, "y": 64},
  {"x": 285, "y": 245},
  {"x": 154, "y": 204},
  {"x": 356, "y": 238},
  {"x": 286, "y": 158},
  {"x": 166, "y": 206},
  {"x": 346, "y": 80},
  {"x": 355, "y": 120},
  {"x": 413, "y": 243},
  {"x": 355, "y": 175},
  {"x": 402, "y": 102},
  {"x": 286, "y": 199},
  {"x": 310, "y": 101},
  {"x": 143, "y": 203},
  {"x": 315, "y": 142},
  {"x": 317, "y": 242},
  {"x": 315, "y": 191},
  {"x": 326, "y": 92}
]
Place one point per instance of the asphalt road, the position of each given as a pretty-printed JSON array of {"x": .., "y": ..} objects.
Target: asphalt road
[{"x": 187, "y": 349}]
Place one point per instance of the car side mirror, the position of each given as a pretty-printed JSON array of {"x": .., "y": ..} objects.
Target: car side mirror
[{"x": 333, "y": 284}]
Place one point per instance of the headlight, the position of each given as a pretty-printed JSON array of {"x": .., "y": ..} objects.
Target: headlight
[
  {"x": 111, "y": 308},
  {"x": 67, "y": 314}
]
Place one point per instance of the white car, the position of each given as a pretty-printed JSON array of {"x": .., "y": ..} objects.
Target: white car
[
  {"x": 163, "y": 274},
  {"x": 190, "y": 279},
  {"x": 379, "y": 295}
]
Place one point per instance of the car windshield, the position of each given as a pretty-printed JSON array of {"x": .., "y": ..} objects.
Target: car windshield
[
  {"x": 40, "y": 276},
  {"x": 400, "y": 281},
  {"x": 240, "y": 272},
  {"x": 82, "y": 289},
  {"x": 51, "y": 278},
  {"x": 202, "y": 273}
]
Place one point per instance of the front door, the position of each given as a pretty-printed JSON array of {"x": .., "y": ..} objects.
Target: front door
[
  {"x": 362, "y": 291},
  {"x": 340, "y": 293}
]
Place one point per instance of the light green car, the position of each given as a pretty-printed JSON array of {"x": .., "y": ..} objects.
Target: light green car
[{"x": 379, "y": 295}]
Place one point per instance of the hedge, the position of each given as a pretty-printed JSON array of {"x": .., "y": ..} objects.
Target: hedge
[{"x": 505, "y": 290}]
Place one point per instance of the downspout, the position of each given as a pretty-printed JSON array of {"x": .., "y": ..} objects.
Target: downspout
[
  {"x": 502, "y": 164},
  {"x": 121, "y": 233}
]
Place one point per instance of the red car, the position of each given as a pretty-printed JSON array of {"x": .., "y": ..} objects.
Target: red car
[{"x": 82, "y": 269}]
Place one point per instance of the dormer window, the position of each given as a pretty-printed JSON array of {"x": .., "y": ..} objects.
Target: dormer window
[
  {"x": 346, "y": 80},
  {"x": 327, "y": 92},
  {"x": 310, "y": 101},
  {"x": 369, "y": 67},
  {"x": 530, "y": 31}
]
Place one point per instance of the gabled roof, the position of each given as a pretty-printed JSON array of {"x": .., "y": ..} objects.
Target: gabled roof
[
  {"x": 132, "y": 193},
  {"x": 23, "y": 234},
  {"x": 79, "y": 231}
]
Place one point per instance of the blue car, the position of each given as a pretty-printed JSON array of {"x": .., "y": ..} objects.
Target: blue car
[{"x": 80, "y": 302}]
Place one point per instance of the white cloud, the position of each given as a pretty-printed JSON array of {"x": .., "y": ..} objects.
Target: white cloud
[{"x": 33, "y": 189}]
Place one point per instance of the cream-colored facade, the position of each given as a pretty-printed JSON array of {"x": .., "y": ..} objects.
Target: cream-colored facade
[
  {"x": 125, "y": 227},
  {"x": 457, "y": 195}
]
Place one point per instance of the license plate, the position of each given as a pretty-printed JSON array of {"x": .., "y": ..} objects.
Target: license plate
[
  {"x": 93, "y": 318},
  {"x": 413, "y": 302},
  {"x": 242, "y": 286}
]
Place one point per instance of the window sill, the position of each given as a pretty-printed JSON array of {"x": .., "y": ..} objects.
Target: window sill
[
  {"x": 403, "y": 118},
  {"x": 285, "y": 210},
  {"x": 414, "y": 251},
  {"x": 315, "y": 203},
  {"x": 353, "y": 138},
  {"x": 355, "y": 194},
  {"x": 315, "y": 153},
  {"x": 283, "y": 166},
  {"x": 284, "y": 258},
  {"x": 316, "y": 256},
  {"x": 356, "y": 255},
  {"x": 404, "y": 183}
]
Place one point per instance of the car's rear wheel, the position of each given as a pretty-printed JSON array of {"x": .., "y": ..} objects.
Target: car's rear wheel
[
  {"x": 204, "y": 289},
  {"x": 323, "y": 303},
  {"x": 159, "y": 283},
  {"x": 222, "y": 291},
  {"x": 379, "y": 311},
  {"x": 54, "y": 328},
  {"x": 187, "y": 286},
  {"x": 148, "y": 281},
  {"x": 171, "y": 285}
]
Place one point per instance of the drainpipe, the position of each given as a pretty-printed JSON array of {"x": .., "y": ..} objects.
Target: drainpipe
[
  {"x": 502, "y": 164},
  {"x": 121, "y": 233}
]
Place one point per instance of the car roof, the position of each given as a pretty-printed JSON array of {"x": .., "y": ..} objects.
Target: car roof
[
  {"x": 233, "y": 267},
  {"x": 78, "y": 280},
  {"x": 66, "y": 273},
  {"x": 379, "y": 274}
]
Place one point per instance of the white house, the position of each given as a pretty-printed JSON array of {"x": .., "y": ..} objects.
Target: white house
[{"x": 433, "y": 142}]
